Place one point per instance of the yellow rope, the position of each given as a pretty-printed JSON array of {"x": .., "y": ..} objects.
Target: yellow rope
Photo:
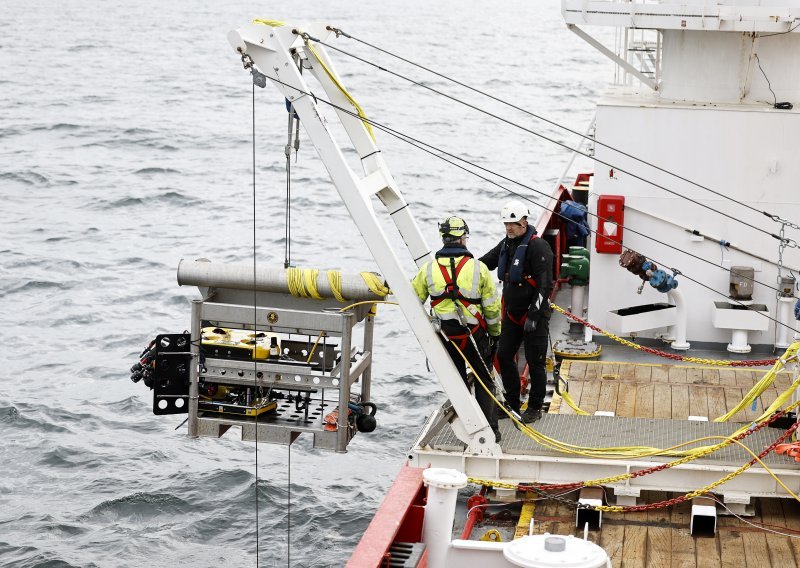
[
  {"x": 335, "y": 79},
  {"x": 335, "y": 280},
  {"x": 571, "y": 402},
  {"x": 369, "y": 302},
  {"x": 624, "y": 452},
  {"x": 313, "y": 349},
  {"x": 691, "y": 495},
  {"x": 270, "y": 23},
  {"x": 375, "y": 284},
  {"x": 310, "y": 277}
]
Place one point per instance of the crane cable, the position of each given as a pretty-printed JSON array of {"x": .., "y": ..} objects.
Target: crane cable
[
  {"x": 774, "y": 217},
  {"x": 420, "y": 145}
]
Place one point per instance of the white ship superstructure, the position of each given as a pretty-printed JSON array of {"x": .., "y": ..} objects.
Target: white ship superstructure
[{"x": 696, "y": 97}]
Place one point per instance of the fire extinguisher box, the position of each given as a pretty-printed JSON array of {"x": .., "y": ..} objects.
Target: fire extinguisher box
[{"x": 610, "y": 221}]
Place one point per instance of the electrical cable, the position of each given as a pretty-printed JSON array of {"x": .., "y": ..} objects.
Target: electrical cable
[
  {"x": 551, "y": 122},
  {"x": 775, "y": 103},
  {"x": 418, "y": 144}
]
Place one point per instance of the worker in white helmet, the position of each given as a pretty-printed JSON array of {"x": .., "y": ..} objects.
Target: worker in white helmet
[{"x": 524, "y": 265}]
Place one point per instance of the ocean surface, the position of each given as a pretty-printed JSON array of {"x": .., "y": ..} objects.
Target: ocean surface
[{"x": 125, "y": 146}]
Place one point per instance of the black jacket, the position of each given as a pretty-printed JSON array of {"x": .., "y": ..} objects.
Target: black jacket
[{"x": 521, "y": 298}]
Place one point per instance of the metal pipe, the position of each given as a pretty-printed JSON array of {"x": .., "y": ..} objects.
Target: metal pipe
[
  {"x": 194, "y": 369},
  {"x": 366, "y": 378},
  {"x": 679, "y": 329},
  {"x": 240, "y": 277},
  {"x": 344, "y": 383}
]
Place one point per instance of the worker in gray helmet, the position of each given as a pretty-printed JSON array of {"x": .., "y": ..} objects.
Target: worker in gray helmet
[
  {"x": 524, "y": 264},
  {"x": 464, "y": 298}
]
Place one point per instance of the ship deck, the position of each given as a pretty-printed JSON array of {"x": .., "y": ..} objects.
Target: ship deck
[{"x": 651, "y": 403}]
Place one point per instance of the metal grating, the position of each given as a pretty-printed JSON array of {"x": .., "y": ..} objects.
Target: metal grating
[{"x": 607, "y": 431}]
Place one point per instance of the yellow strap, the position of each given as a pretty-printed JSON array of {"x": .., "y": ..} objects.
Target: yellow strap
[
  {"x": 270, "y": 23},
  {"x": 359, "y": 110}
]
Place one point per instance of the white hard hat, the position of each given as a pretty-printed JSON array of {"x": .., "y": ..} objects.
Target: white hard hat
[{"x": 514, "y": 212}]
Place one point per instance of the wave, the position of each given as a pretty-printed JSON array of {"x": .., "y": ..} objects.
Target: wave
[
  {"x": 30, "y": 557},
  {"x": 27, "y": 178},
  {"x": 154, "y": 170},
  {"x": 140, "y": 505}
]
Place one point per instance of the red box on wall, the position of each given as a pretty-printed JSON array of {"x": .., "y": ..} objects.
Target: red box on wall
[{"x": 610, "y": 221}]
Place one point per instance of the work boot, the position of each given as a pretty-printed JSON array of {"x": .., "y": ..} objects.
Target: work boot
[
  {"x": 497, "y": 436},
  {"x": 531, "y": 415}
]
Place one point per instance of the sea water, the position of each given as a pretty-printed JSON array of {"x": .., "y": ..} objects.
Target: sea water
[{"x": 125, "y": 145}]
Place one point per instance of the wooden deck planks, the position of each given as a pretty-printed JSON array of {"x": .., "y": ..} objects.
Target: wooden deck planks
[
  {"x": 731, "y": 545},
  {"x": 677, "y": 391},
  {"x": 680, "y": 402},
  {"x": 683, "y": 546},
  {"x": 780, "y": 551},
  {"x": 644, "y": 401},
  {"x": 626, "y": 400},
  {"x": 698, "y": 400},
  {"x": 609, "y": 391},
  {"x": 634, "y": 548},
  {"x": 661, "y": 537}
]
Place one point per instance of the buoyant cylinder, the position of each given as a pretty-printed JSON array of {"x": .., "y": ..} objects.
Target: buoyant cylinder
[
  {"x": 440, "y": 510},
  {"x": 240, "y": 277}
]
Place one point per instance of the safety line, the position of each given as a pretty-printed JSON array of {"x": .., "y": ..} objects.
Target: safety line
[
  {"x": 413, "y": 141},
  {"x": 792, "y": 242},
  {"x": 339, "y": 32}
]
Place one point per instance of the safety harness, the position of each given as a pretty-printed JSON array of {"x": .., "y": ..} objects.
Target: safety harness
[
  {"x": 515, "y": 274},
  {"x": 452, "y": 292}
]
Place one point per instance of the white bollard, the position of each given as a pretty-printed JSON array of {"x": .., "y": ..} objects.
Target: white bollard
[{"x": 440, "y": 511}]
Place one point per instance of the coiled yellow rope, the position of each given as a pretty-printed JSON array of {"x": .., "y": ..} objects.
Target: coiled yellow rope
[
  {"x": 335, "y": 280},
  {"x": 375, "y": 284},
  {"x": 302, "y": 282}
]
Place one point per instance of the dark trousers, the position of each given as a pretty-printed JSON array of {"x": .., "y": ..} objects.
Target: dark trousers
[
  {"x": 479, "y": 362},
  {"x": 511, "y": 335}
]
